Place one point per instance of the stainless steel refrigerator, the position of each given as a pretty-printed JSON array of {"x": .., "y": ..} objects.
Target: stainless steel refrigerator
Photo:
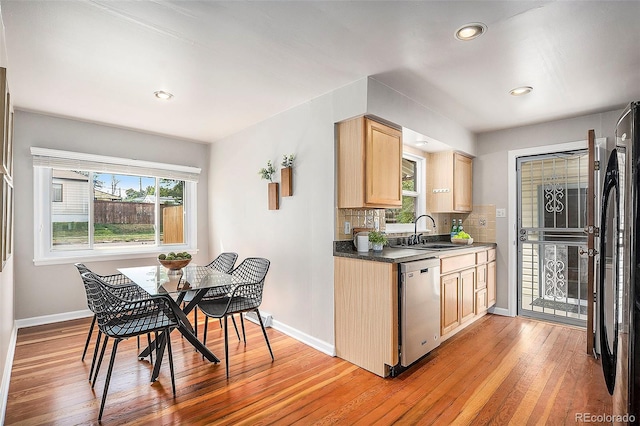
[{"x": 618, "y": 322}]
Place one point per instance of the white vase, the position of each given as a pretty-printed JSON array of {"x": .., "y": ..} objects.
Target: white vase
[{"x": 377, "y": 246}]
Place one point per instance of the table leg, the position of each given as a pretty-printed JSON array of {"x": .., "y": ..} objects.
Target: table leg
[{"x": 186, "y": 329}]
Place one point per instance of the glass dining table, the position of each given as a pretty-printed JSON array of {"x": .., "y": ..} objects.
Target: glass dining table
[{"x": 160, "y": 281}]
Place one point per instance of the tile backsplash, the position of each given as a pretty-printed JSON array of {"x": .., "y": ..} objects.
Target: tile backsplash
[
  {"x": 358, "y": 218},
  {"x": 480, "y": 223}
]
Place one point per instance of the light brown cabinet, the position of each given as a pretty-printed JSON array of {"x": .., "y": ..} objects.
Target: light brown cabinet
[
  {"x": 491, "y": 284},
  {"x": 366, "y": 313},
  {"x": 468, "y": 293},
  {"x": 450, "y": 187},
  {"x": 467, "y": 285},
  {"x": 457, "y": 299},
  {"x": 369, "y": 157},
  {"x": 449, "y": 303}
]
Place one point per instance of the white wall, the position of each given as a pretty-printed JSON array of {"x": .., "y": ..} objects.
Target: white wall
[
  {"x": 490, "y": 170},
  {"x": 298, "y": 237},
  {"x": 57, "y": 289}
]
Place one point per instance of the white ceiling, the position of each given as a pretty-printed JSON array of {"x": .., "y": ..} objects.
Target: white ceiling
[{"x": 233, "y": 64}]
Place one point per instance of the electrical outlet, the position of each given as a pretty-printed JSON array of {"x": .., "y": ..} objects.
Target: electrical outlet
[
  {"x": 482, "y": 221},
  {"x": 501, "y": 212},
  {"x": 376, "y": 224},
  {"x": 347, "y": 228}
]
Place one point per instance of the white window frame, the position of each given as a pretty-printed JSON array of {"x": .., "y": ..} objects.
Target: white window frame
[
  {"x": 45, "y": 160},
  {"x": 421, "y": 199}
]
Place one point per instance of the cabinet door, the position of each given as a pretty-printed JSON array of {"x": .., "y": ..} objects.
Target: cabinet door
[
  {"x": 383, "y": 153},
  {"x": 491, "y": 284},
  {"x": 450, "y": 307},
  {"x": 462, "y": 183},
  {"x": 467, "y": 289},
  {"x": 481, "y": 301},
  {"x": 440, "y": 182},
  {"x": 481, "y": 277}
]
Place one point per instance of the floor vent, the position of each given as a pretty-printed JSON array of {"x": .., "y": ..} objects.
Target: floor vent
[{"x": 266, "y": 318}]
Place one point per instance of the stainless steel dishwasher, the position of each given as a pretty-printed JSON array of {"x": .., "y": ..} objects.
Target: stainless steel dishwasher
[{"x": 419, "y": 309}]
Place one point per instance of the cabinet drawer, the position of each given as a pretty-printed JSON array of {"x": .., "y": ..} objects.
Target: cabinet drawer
[
  {"x": 491, "y": 255},
  {"x": 481, "y": 257},
  {"x": 455, "y": 263}
]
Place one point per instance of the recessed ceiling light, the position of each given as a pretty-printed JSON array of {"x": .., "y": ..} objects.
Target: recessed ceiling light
[
  {"x": 161, "y": 94},
  {"x": 470, "y": 31},
  {"x": 421, "y": 143},
  {"x": 522, "y": 90}
]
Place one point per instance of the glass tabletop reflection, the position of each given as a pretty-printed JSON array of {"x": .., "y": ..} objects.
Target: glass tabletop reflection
[{"x": 157, "y": 279}]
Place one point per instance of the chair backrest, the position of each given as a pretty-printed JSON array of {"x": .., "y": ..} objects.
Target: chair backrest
[
  {"x": 252, "y": 271},
  {"x": 224, "y": 262},
  {"x": 114, "y": 280},
  {"x": 91, "y": 288},
  {"x": 117, "y": 316}
]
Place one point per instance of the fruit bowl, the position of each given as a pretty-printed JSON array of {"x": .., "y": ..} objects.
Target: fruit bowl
[
  {"x": 174, "y": 265},
  {"x": 464, "y": 241}
]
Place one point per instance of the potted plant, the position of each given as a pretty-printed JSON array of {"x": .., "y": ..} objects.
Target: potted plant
[
  {"x": 286, "y": 175},
  {"x": 378, "y": 240},
  {"x": 267, "y": 174}
]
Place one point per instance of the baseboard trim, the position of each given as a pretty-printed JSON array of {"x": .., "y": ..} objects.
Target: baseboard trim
[
  {"x": 500, "y": 311},
  {"x": 49, "y": 319},
  {"x": 314, "y": 342},
  {"x": 6, "y": 374}
]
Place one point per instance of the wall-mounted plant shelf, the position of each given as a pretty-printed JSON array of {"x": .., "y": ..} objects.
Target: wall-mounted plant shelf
[
  {"x": 273, "y": 196},
  {"x": 286, "y": 176}
]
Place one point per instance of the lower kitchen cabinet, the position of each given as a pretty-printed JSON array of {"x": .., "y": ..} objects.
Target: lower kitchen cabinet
[
  {"x": 449, "y": 303},
  {"x": 481, "y": 301},
  {"x": 366, "y": 313},
  {"x": 491, "y": 283},
  {"x": 468, "y": 286},
  {"x": 467, "y": 301},
  {"x": 457, "y": 299}
]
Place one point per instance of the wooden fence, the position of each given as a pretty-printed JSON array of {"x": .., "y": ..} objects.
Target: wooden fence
[
  {"x": 119, "y": 212},
  {"x": 172, "y": 225}
]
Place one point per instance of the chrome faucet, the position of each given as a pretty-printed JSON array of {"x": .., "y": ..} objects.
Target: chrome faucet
[{"x": 414, "y": 239}]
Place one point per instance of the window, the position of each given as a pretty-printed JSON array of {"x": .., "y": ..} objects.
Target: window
[
  {"x": 112, "y": 207},
  {"x": 57, "y": 193},
  {"x": 413, "y": 195}
]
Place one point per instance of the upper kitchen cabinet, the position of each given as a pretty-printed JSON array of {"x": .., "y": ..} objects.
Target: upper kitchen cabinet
[
  {"x": 369, "y": 164},
  {"x": 449, "y": 183}
]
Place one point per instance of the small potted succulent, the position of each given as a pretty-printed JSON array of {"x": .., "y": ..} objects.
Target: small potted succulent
[
  {"x": 378, "y": 240},
  {"x": 267, "y": 174}
]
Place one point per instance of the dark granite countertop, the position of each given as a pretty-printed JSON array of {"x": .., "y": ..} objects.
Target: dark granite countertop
[{"x": 400, "y": 255}]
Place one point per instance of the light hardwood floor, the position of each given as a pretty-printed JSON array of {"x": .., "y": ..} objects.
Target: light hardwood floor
[{"x": 497, "y": 371}]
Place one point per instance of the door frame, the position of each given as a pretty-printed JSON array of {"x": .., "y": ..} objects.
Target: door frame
[{"x": 512, "y": 197}]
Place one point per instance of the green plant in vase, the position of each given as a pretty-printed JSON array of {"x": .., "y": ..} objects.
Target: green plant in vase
[
  {"x": 267, "y": 172},
  {"x": 378, "y": 240}
]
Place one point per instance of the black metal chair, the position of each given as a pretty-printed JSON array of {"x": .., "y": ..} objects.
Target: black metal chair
[
  {"x": 122, "y": 287},
  {"x": 120, "y": 319},
  {"x": 245, "y": 296},
  {"x": 223, "y": 263}
]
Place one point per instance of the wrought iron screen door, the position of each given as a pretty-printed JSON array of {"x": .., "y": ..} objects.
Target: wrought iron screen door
[{"x": 552, "y": 255}]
